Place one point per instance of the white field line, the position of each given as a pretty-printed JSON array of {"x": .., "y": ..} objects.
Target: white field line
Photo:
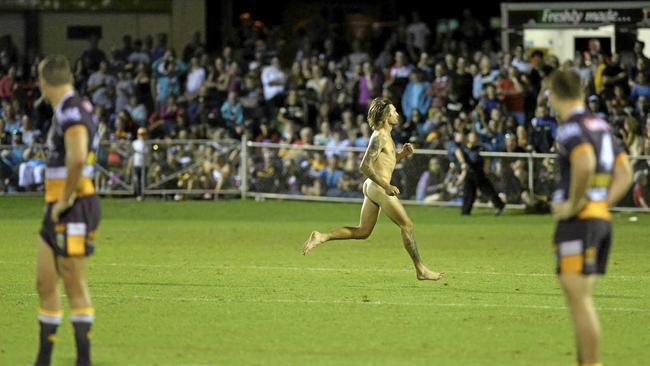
[
  {"x": 328, "y": 269},
  {"x": 353, "y": 302}
]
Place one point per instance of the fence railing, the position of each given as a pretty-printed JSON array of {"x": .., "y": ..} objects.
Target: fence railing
[{"x": 211, "y": 169}]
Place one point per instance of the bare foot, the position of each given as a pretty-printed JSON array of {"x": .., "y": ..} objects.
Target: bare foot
[
  {"x": 314, "y": 239},
  {"x": 426, "y": 274}
]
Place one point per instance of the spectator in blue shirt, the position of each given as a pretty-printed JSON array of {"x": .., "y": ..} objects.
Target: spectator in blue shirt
[
  {"x": 492, "y": 138},
  {"x": 416, "y": 95},
  {"x": 490, "y": 100},
  {"x": 542, "y": 131},
  {"x": 167, "y": 71},
  {"x": 232, "y": 112},
  {"x": 11, "y": 119},
  {"x": 485, "y": 76},
  {"x": 641, "y": 87},
  {"x": 331, "y": 177}
]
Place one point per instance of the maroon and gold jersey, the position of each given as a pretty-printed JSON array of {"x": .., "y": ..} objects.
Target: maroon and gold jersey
[
  {"x": 71, "y": 111},
  {"x": 582, "y": 132}
]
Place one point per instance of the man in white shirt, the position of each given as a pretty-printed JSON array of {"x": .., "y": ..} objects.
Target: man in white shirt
[
  {"x": 195, "y": 78},
  {"x": 273, "y": 79},
  {"x": 419, "y": 31},
  {"x": 138, "y": 162}
]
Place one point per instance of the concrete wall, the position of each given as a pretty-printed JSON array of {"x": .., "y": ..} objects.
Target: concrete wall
[
  {"x": 14, "y": 25},
  {"x": 54, "y": 30},
  {"x": 187, "y": 17}
]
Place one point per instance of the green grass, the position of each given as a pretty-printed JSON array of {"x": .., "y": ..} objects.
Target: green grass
[{"x": 224, "y": 283}]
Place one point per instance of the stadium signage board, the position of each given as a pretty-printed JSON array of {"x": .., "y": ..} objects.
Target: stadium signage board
[{"x": 576, "y": 16}]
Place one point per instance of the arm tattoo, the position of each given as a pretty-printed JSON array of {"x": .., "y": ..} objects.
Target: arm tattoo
[
  {"x": 374, "y": 149},
  {"x": 372, "y": 153}
]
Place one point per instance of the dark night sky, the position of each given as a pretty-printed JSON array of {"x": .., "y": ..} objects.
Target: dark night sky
[{"x": 271, "y": 11}]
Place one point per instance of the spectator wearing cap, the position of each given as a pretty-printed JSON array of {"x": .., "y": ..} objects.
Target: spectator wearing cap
[
  {"x": 415, "y": 96},
  {"x": 593, "y": 103}
]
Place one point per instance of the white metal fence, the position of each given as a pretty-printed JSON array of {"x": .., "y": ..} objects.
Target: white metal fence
[{"x": 232, "y": 168}]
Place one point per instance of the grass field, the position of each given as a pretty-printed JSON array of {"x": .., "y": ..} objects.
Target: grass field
[{"x": 224, "y": 283}]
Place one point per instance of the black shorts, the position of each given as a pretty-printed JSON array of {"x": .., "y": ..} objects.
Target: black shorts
[
  {"x": 582, "y": 246},
  {"x": 75, "y": 232}
]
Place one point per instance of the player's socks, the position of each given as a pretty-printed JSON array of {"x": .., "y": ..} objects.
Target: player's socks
[
  {"x": 82, "y": 321},
  {"x": 49, "y": 321}
]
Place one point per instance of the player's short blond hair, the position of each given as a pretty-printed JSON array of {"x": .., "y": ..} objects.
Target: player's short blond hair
[
  {"x": 55, "y": 70},
  {"x": 378, "y": 112},
  {"x": 566, "y": 84}
]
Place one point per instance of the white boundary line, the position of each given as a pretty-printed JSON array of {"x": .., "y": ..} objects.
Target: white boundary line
[
  {"x": 329, "y": 269},
  {"x": 354, "y": 302}
]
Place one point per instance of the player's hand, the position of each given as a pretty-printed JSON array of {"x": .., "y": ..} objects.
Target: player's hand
[
  {"x": 407, "y": 150},
  {"x": 565, "y": 209},
  {"x": 60, "y": 207},
  {"x": 392, "y": 191}
]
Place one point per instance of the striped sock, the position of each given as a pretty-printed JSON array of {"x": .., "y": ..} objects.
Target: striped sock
[
  {"x": 49, "y": 321},
  {"x": 82, "y": 320}
]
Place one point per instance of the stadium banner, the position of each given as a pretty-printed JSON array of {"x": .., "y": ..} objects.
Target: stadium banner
[{"x": 574, "y": 14}]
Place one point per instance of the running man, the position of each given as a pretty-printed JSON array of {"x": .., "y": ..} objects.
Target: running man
[
  {"x": 593, "y": 175},
  {"x": 72, "y": 214},
  {"x": 377, "y": 165}
]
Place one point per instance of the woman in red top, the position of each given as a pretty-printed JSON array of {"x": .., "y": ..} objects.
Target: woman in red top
[{"x": 511, "y": 92}]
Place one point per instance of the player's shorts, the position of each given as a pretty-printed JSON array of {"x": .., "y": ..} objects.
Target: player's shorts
[
  {"x": 75, "y": 232},
  {"x": 582, "y": 246}
]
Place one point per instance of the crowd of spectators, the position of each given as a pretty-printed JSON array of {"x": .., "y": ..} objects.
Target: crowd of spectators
[{"x": 312, "y": 86}]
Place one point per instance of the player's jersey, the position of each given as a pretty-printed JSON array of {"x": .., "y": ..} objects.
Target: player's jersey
[
  {"x": 584, "y": 131},
  {"x": 71, "y": 111}
]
